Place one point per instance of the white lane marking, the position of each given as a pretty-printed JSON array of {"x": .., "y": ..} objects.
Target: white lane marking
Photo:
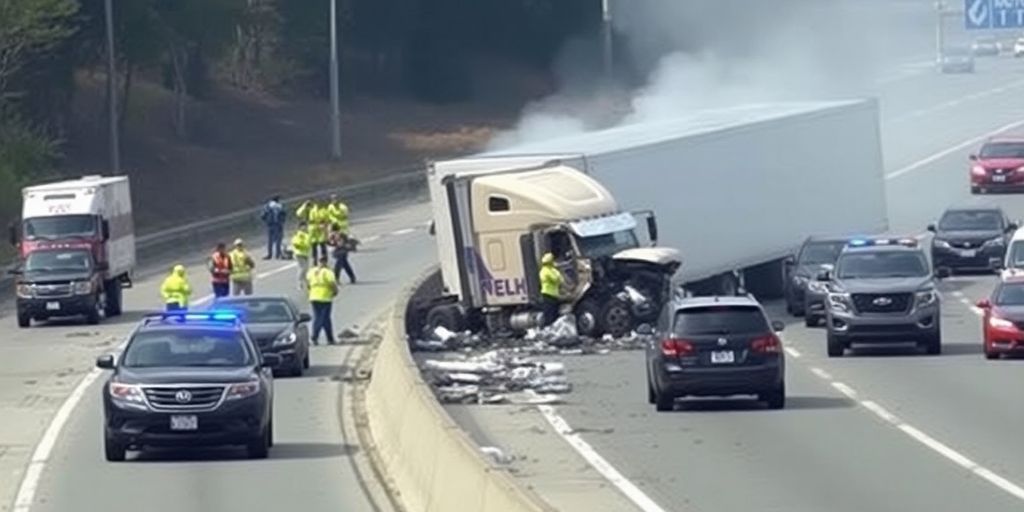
[
  {"x": 277, "y": 270},
  {"x": 931, "y": 443},
  {"x": 631, "y": 491},
  {"x": 949, "y": 151},
  {"x": 371, "y": 238},
  {"x": 401, "y": 232},
  {"x": 958, "y": 294},
  {"x": 953, "y": 103},
  {"x": 793, "y": 352},
  {"x": 821, "y": 373}
]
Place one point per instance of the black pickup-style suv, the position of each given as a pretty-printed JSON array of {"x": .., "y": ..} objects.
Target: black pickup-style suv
[
  {"x": 715, "y": 346},
  {"x": 882, "y": 290},
  {"x": 188, "y": 379}
]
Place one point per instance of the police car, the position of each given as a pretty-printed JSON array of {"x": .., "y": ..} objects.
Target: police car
[
  {"x": 882, "y": 290},
  {"x": 188, "y": 379}
]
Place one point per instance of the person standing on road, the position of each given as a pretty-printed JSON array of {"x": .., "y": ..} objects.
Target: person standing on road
[
  {"x": 175, "y": 290},
  {"x": 337, "y": 211},
  {"x": 274, "y": 216},
  {"x": 241, "y": 269},
  {"x": 323, "y": 288},
  {"x": 550, "y": 288},
  {"x": 316, "y": 217},
  {"x": 339, "y": 243},
  {"x": 300, "y": 248},
  {"x": 220, "y": 271}
]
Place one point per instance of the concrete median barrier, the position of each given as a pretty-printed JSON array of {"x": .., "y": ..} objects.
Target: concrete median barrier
[{"x": 431, "y": 463}]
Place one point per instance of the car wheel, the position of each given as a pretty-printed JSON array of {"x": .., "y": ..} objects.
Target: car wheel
[
  {"x": 836, "y": 348},
  {"x": 991, "y": 355},
  {"x": 270, "y": 434},
  {"x": 933, "y": 343},
  {"x": 113, "y": 450},
  {"x": 24, "y": 320},
  {"x": 776, "y": 399},
  {"x": 975, "y": 190},
  {"x": 298, "y": 369},
  {"x": 664, "y": 402},
  {"x": 651, "y": 396},
  {"x": 259, "y": 448},
  {"x": 811, "y": 321},
  {"x": 305, "y": 361}
]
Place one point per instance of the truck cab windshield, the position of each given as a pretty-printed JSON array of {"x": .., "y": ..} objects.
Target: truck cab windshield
[
  {"x": 78, "y": 260},
  {"x": 59, "y": 227},
  {"x": 599, "y": 246},
  {"x": 880, "y": 265}
]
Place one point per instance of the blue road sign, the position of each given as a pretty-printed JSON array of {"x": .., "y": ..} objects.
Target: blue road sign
[{"x": 989, "y": 14}]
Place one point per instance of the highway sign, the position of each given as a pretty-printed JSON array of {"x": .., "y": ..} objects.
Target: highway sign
[{"x": 990, "y": 14}]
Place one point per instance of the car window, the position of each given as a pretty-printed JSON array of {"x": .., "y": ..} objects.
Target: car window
[
  {"x": 257, "y": 311},
  {"x": 1017, "y": 254},
  {"x": 968, "y": 220},
  {"x": 1010, "y": 294},
  {"x": 719, "y": 320},
  {"x": 69, "y": 261},
  {"x": 1003, "y": 150},
  {"x": 64, "y": 226},
  {"x": 819, "y": 253},
  {"x": 867, "y": 265},
  {"x": 187, "y": 348}
]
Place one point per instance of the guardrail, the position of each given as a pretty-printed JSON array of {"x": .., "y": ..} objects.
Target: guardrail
[{"x": 429, "y": 460}]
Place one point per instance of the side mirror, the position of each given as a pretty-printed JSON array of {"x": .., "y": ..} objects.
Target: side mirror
[
  {"x": 105, "y": 362},
  {"x": 106, "y": 230},
  {"x": 973, "y": 158},
  {"x": 931, "y": 227},
  {"x": 271, "y": 361},
  {"x": 1011, "y": 227},
  {"x": 984, "y": 304},
  {"x": 778, "y": 326},
  {"x": 15, "y": 271},
  {"x": 304, "y": 318},
  {"x": 652, "y": 228},
  {"x": 645, "y": 329},
  {"x": 824, "y": 276},
  {"x": 942, "y": 272}
]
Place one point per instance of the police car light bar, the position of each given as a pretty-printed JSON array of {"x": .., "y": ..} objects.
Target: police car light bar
[
  {"x": 192, "y": 316},
  {"x": 867, "y": 242}
]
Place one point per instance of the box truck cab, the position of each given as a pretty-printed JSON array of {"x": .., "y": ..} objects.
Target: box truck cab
[
  {"x": 494, "y": 218},
  {"x": 82, "y": 227}
]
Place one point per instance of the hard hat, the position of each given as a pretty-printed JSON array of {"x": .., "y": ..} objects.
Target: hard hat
[
  {"x": 548, "y": 258},
  {"x": 179, "y": 269},
  {"x": 238, "y": 241}
]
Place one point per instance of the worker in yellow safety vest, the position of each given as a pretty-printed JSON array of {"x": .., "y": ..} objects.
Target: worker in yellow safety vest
[
  {"x": 338, "y": 213},
  {"x": 175, "y": 289},
  {"x": 550, "y": 287},
  {"x": 323, "y": 287},
  {"x": 301, "y": 246},
  {"x": 241, "y": 269}
]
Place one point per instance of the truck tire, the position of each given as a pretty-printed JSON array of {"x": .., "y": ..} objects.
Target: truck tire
[
  {"x": 616, "y": 318},
  {"x": 115, "y": 297},
  {"x": 446, "y": 315},
  {"x": 93, "y": 316},
  {"x": 588, "y": 314}
]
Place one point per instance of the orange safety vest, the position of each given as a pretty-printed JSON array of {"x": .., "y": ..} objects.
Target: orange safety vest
[{"x": 220, "y": 267}]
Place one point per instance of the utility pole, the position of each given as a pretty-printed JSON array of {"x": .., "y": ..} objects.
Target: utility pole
[
  {"x": 335, "y": 100},
  {"x": 940, "y": 8},
  {"x": 115, "y": 143},
  {"x": 606, "y": 33}
]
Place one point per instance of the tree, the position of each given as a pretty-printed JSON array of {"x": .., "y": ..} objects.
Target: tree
[{"x": 29, "y": 28}]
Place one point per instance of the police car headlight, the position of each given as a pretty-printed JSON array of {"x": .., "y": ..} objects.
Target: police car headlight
[
  {"x": 995, "y": 242},
  {"x": 839, "y": 302},
  {"x": 287, "y": 338},
  {"x": 926, "y": 298},
  {"x": 127, "y": 395},
  {"x": 82, "y": 287},
  {"x": 26, "y": 291},
  {"x": 817, "y": 287},
  {"x": 941, "y": 243}
]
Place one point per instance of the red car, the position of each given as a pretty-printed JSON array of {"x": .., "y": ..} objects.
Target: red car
[
  {"x": 999, "y": 165},
  {"x": 1003, "y": 322}
]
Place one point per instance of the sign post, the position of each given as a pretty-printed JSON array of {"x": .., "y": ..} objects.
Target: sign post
[{"x": 993, "y": 14}]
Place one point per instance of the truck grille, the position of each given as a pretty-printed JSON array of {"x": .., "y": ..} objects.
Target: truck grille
[
  {"x": 882, "y": 302},
  {"x": 184, "y": 398},
  {"x": 52, "y": 290}
]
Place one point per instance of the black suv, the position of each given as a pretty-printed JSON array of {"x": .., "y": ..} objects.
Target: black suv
[
  {"x": 188, "y": 379},
  {"x": 715, "y": 346},
  {"x": 971, "y": 238}
]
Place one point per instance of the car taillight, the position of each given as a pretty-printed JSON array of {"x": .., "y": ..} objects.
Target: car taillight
[
  {"x": 675, "y": 347},
  {"x": 767, "y": 344}
]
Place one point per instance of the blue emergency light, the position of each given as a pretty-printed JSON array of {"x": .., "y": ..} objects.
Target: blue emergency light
[
  {"x": 194, "y": 316},
  {"x": 862, "y": 242}
]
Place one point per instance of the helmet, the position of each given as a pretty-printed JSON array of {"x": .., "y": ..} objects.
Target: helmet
[
  {"x": 238, "y": 242},
  {"x": 547, "y": 259},
  {"x": 178, "y": 270}
]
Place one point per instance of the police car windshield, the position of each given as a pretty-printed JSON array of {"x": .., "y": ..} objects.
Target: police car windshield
[
  {"x": 971, "y": 220},
  {"x": 77, "y": 260},
  {"x": 1010, "y": 294},
  {"x": 260, "y": 311},
  {"x": 719, "y": 320},
  {"x": 819, "y": 253},
  {"x": 1017, "y": 254},
  {"x": 187, "y": 348},
  {"x": 55, "y": 228},
  {"x": 881, "y": 264},
  {"x": 599, "y": 246},
  {"x": 1003, "y": 150}
]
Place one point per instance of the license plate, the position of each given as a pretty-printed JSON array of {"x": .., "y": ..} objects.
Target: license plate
[
  {"x": 53, "y": 306},
  {"x": 967, "y": 253},
  {"x": 999, "y": 179},
  {"x": 723, "y": 356},
  {"x": 189, "y": 422}
]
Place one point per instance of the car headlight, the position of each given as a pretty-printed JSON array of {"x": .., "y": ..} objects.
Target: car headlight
[
  {"x": 128, "y": 395},
  {"x": 287, "y": 338},
  {"x": 82, "y": 287},
  {"x": 839, "y": 302},
  {"x": 978, "y": 170},
  {"x": 941, "y": 243},
  {"x": 999, "y": 323},
  {"x": 995, "y": 242},
  {"x": 817, "y": 287},
  {"x": 926, "y": 298},
  {"x": 242, "y": 390},
  {"x": 26, "y": 291}
]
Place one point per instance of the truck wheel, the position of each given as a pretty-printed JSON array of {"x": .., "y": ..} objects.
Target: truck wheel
[
  {"x": 24, "y": 320},
  {"x": 93, "y": 316},
  {"x": 616, "y": 318},
  {"x": 447, "y": 316},
  {"x": 587, "y": 314},
  {"x": 114, "y": 298}
]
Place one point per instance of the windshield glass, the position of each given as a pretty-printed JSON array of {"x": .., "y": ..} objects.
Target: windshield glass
[
  {"x": 1016, "y": 258},
  {"x": 719, "y": 320},
  {"x": 861, "y": 265},
  {"x": 191, "y": 347},
  {"x": 820, "y": 253},
  {"x": 1010, "y": 294},
  {"x": 1003, "y": 150},
  {"x": 64, "y": 226},
  {"x": 974, "y": 220},
  {"x": 606, "y": 245},
  {"x": 73, "y": 261},
  {"x": 260, "y": 311}
]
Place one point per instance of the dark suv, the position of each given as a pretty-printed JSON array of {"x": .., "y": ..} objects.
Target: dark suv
[
  {"x": 715, "y": 346},
  {"x": 971, "y": 239},
  {"x": 188, "y": 379},
  {"x": 882, "y": 290},
  {"x": 804, "y": 295}
]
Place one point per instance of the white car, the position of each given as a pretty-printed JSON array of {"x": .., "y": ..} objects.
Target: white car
[{"x": 1018, "y": 47}]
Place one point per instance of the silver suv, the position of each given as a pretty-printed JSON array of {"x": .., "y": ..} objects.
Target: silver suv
[{"x": 882, "y": 290}]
